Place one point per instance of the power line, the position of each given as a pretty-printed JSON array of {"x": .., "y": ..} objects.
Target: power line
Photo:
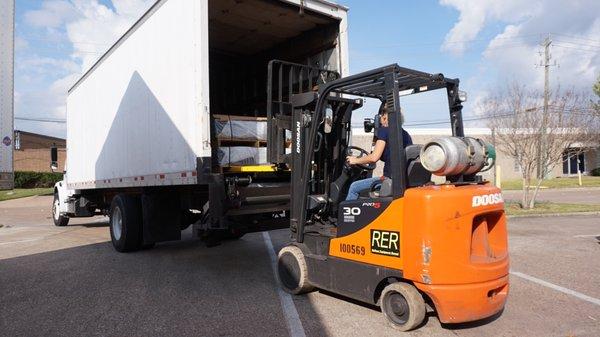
[
  {"x": 63, "y": 42},
  {"x": 451, "y": 42},
  {"x": 580, "y": 49},
  {"x": 43, "y": 120},
  {"x": 577, "y": 43},
  {"x": 576, "y": 37}
]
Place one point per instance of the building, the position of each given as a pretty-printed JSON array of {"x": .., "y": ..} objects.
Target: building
[
  {"x": 32, "y": 152},
  {"x": 508, "y": 168}
]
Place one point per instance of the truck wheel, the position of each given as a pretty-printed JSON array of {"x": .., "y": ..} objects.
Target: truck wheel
[
  {"x": 403, "y": 306},
  {"x": 292, "y": 271},
  {"x": 59, "y": 220},
  {"x": 126, "y": 223}
]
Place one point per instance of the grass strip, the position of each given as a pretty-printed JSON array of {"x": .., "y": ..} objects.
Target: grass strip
[
  {"x": 514, "y": 208},
  {"x": 24, "y": 192}
]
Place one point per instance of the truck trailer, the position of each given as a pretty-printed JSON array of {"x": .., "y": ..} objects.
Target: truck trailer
[
  {"x": 146, "y": 123},
  {"x": 7, "y": 12}
]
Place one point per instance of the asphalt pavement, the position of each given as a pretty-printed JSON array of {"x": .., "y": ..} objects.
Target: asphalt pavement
[{"x": 70, "y": 282}]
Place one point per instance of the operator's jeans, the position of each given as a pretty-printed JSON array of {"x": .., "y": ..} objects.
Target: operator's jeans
[{"x": 360, "y": 185}]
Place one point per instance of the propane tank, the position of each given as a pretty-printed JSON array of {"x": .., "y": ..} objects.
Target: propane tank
[{"x": 452, "y": 156}]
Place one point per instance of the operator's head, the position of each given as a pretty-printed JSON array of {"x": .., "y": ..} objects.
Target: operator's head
[{"x": 383, "y": 116}]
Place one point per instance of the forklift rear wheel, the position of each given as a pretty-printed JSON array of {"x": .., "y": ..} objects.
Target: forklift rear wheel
[
  {"x": 292, "y": 271},
  {"x": 403, "y": 306}
]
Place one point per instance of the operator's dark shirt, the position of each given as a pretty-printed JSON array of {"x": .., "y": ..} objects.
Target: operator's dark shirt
[{"x": 383, "y": 134}]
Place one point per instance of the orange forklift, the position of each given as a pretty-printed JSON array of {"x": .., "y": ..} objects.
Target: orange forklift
[{"x": 407, "y": 243}]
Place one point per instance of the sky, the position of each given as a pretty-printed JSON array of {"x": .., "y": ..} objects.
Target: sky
[{"x": 488, "y": 44}]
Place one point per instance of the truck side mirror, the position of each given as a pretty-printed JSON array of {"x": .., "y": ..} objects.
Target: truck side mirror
[{"x": 54, "y": 158}]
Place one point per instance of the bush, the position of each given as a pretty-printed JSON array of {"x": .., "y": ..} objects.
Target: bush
[
  {"x": 36, "y": 179},
  {"x": 595, "y": 172}
]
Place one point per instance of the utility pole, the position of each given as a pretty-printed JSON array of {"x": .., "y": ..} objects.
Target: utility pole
[
  {"x": 541, "y": 170},
  {"x": 494, "y": 145}
]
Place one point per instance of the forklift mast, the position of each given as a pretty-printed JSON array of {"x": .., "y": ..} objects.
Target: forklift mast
[
  {"x": 315, "y": 158},
  {"x": 285, "y": 79}
]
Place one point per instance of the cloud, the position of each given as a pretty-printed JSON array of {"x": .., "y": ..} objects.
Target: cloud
[
  {"x": 20, "y": 44},
  {"x": 52, "y": 14},
  {"x": 89, "y": 28},
  {"x": 514, "y": 53},
  {"x": 474, "y": 15},
  {"x": 42, "y": 84},
  {"x": 99, "y": 27}
]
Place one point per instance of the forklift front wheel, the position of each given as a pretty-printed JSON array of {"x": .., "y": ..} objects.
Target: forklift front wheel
[
  {"x": 292, "y": 271},
  {"x": 403, "y": 306}
]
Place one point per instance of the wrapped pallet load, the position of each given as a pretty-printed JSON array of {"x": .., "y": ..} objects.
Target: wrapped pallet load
[
  {"x": 241, "y": 140},
  {"x": 242, "y": 155},
  {"x": 240, "y": 128}
]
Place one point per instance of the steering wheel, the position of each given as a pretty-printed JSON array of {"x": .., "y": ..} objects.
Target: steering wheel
[{"x": 368, "y": 167}]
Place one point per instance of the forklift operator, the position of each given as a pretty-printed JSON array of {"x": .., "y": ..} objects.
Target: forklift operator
[{"x": 380, "y": 151}]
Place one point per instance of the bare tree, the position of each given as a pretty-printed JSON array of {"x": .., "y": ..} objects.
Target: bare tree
[
  {"x": 537, "y": 138},
  {"x": 596, "y": 89}
]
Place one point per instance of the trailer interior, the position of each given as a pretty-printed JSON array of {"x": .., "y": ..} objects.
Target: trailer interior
[
  {"x": 245, "y": 35},
  {"x": 244, "y": 38}
]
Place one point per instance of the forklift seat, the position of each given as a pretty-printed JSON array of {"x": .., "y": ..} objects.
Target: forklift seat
[
  {"x": 417, "y": 175},
  {"x": 381, "y": 189}
]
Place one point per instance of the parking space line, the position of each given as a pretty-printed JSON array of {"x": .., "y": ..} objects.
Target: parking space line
[
  {"x": 289, "y": 309},
  {"x": 557, "y": 287}
]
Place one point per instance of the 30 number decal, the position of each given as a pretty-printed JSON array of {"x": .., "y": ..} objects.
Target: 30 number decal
[{"x": 351, "y": 211}]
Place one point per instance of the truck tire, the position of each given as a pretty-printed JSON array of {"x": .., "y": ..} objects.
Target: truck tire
[
  {"x": 403, "y": 306},
  {"x": 292, "y": 271},
  {"x": 59, "y": 220},
  {"x": 126, "y": 223}
]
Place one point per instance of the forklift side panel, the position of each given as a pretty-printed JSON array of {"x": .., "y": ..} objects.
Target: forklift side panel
[
  {"x": 355, "y": 280},
  {"x": 378, "y": 242}
]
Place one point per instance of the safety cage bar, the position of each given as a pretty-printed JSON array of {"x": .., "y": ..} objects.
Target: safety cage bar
[
  {"x": 384, "y": 83},
  {"x": 286, "y": 79}
]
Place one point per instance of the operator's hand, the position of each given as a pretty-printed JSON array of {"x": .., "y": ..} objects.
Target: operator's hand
[{"x": 351, "y": 160}]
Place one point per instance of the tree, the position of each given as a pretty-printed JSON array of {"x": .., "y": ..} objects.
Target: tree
[
  {"x": 537, "y": 139},
  {"x": 596, "y": 89}
]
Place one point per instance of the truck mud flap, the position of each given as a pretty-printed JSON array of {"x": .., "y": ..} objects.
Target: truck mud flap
[{"x": 162, "y": 217}]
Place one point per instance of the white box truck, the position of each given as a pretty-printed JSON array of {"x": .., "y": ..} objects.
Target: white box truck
[
  {"x": 7, "y": 12},
  {"x": 142, "y": 141}
]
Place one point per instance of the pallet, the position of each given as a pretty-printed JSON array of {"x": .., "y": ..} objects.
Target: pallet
[
  {"x": 227, "y": 118},
  {"x": 227, "y": 142}
]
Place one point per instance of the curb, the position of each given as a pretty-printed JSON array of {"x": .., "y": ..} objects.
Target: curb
[
  {"x": 565, "y": 189},
  {"x": 549, "y": 215}
]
